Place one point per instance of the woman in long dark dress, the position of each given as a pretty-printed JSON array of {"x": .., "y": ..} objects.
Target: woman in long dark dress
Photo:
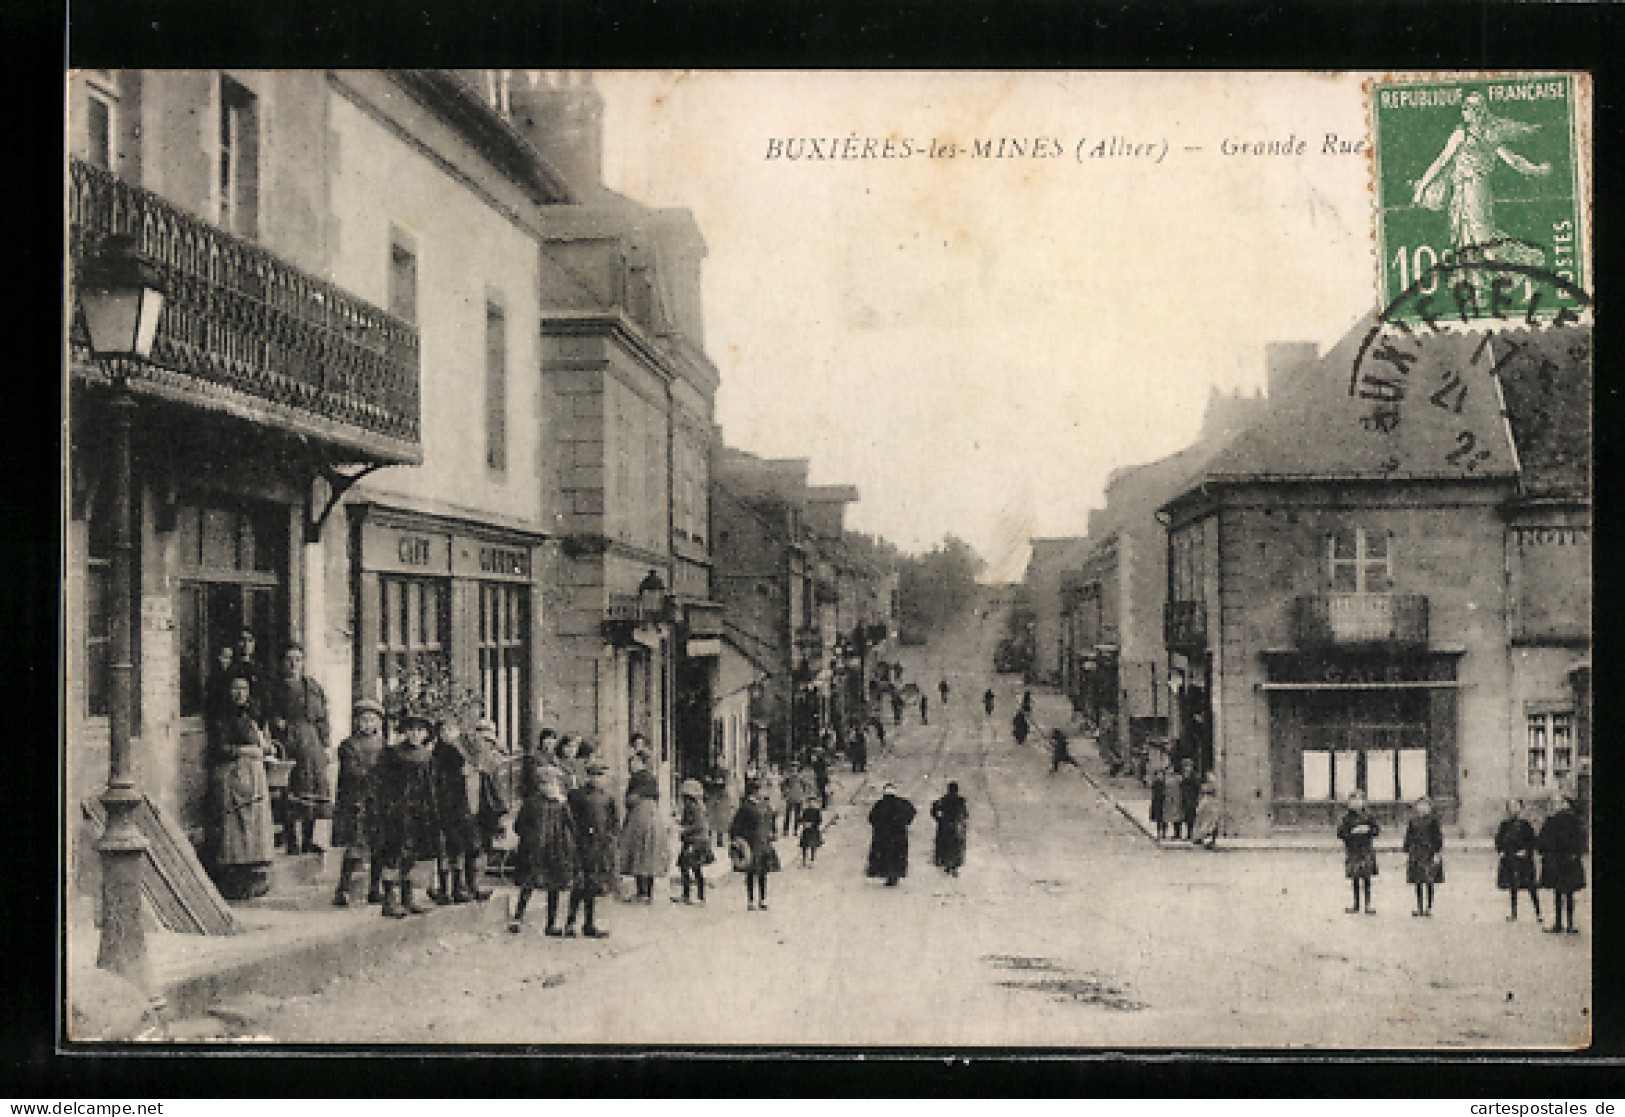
[
  {"x": 953, "y": 824},
  {"x": 1515, "y": 843},
  {"x": 546, "y": 857},
  {"x": 1562, "y": 844},
  {"x": 888, "y": 848},
  {"x": 1424, "y": 863},
  {"x": 243, "y": 834}
]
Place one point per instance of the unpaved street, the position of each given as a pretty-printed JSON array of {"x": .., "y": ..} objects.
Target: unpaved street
[{"x": 1066, "y": 928}]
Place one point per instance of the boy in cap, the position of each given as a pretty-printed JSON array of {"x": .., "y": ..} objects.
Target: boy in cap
[
  {"x": 403, "y": 792},
  {"x": 597, "y": 820},
  {"x": 352, "y": 821},
  {"x": 456, "y": 796}
]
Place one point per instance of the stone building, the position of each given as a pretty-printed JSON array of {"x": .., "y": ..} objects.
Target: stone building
[{"x": 1351, "y": 576}]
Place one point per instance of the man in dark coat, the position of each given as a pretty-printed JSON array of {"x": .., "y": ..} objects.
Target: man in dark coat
[
  {"x": 888, "y": 849},
  {"x": 942, "y": 689},
  {"x": 1019, "y": 727},
  {"x": 1515, "y": 842},
  {"x": 1190, "y": 797},
  {"x": 408, "y": 831},
  {"x": 820, "y": 767},
  {"x": 1059, "y": 753},
  {"x": 1562, "y": 845},
  {"x": 953, "y": 824},
  {"x": 597, "y": 820},
  {"x": 987, "y": 701},
  {"x": 296, "y": 712}
]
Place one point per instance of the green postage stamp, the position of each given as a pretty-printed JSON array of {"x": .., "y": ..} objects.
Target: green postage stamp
[{"x": 1481, "y": 197}]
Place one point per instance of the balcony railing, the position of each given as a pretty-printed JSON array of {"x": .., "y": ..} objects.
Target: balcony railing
[
  {"x": 1344, "y": 619},
  {"x": 1184, "y": 624},
  {"x": 239, "y": 320}
]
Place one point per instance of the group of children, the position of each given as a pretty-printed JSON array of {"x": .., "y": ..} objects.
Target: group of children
[
  {"x": 1187, "y": 802},
  {"x": 1560, "y": 845}
]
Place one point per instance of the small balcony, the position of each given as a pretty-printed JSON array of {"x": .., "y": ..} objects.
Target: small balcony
[
  {"x": 1361, "y": 620},
  {"x": 244, "y": 332},
  {"x": 1184, "y": 624}
]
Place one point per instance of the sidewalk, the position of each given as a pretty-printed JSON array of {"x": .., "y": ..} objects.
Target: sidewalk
[{"x": 1133, "y": 800}]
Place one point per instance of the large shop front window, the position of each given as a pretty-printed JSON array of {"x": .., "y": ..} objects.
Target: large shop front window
[
  {"x": 1551, "y": 749},
  {"x": 1373, "y": 741},
  {"x": 413, "y": 630},
  {"x": 1361, "y": 561},
  {"x": 504, "y": 660}
]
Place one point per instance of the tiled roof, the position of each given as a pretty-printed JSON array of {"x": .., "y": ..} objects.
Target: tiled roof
[{"x": 1546, "y": 377}]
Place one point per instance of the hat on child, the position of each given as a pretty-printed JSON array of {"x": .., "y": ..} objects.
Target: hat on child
[
  {"x": 692, "y": 788},
  {"x": 368, "y": 706}
]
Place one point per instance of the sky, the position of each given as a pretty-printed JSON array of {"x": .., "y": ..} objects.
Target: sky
[{"x": 976, "y": 343}]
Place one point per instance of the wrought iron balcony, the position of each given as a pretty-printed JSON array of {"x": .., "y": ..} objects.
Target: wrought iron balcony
[
  {"x": 1184, "y": 624},
  {"x": 1349, "y": 619},
  {"x": 252, "y": 333}
]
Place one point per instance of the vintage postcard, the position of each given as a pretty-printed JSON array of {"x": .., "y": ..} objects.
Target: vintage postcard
[{"x": 828, "y": 560}]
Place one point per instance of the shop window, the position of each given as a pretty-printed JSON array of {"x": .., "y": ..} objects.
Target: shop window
[
  {"x": 403, "y": 278},
  {"x": 1371, "y": 741},
  {"x": 1550, "y": 749},
  {"x": 239, "y": 159},
  {"x": 504, "y": 659},
  {"x": 1360, "y": 561},
  {"x": 413, "y": 631},
  {"x": 496, "y": 388}
]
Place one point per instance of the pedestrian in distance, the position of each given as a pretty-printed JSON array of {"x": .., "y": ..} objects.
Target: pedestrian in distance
[
  {"x": 545, "y": 859},
  {"x": 1060, "y": 751},
  {"x": 880, "y": 737},
  {"x": 244, "y": 837},
  {"x": 750, "y": 845},
  {"x": 597, "y": 821},
  {"x": 1516, "y": 868},
  {"x": 1019, "y": 727},
  {"x": 793, "y": 790},
  {"x": 1208, "y": 821},
  {"x": 1159, "y": 802},
  {"x": 296, "y": 713},
  {"x": 812, "y": 835},
  {"x": 1357, "y": 832},
  {"x": 987, "y": 701},
  {"x": 1424, "y": 855},
  {"x": 359, "y": 754},
  {"x": 859, "y": 749},
  {"x": 694, "y": 829},
  {"x": 820, "y": 767},
  {"x": 643, "y": 851},
  {"x": 952, "y": 815},
  {"x": 407, "y": 829},
  {"x": 1562, "y": 844},
  {"x": 889, "y": 820},
  {"x": 1190, "y": 798},
  {"x": 1027, "y": 702},
  {"x": 925, "y": 713},
  {"x": 942, "y": 689},
  {"x": 896, "y": 707}
]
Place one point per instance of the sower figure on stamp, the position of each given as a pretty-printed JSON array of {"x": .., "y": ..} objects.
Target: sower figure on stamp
[
  {"x": 296, "y": 710},
  {"x": 1357, "y": 832},
  {"x": 597, "y": 820},
  {"x": 353, "y": 812},
  {"x": 403, "y": 797},
  {"x": 1516, "y": 870}
]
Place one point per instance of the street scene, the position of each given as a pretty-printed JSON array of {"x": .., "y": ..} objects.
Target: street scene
[{"x": 828, "y": 560}]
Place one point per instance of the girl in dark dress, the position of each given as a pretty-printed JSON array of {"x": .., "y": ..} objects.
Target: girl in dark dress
[
  {"x": 546, "y": 857},
  {"x": 888, "y": 848},
  {"x": 1357, "y": 832},
  {"x": 953, "y": 824},
  {"x": 1562, "y": 844},
  {"x": 1424, "y": 864},
  {"x": 812, "y": 835},
  {"x": 1515, "y": 843}
]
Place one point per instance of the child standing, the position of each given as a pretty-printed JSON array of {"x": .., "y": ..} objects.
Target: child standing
[
  {"x": 1358, "y": 831},
  {"x": 1424, "y": 862},
  {"x": 546, "y": 857},
  {"x": 812, "y": 834},
  {"x": 1515, "y": 842},
  {"x": 1159, "y": 802},
  {"x": 695, "y": 829}
]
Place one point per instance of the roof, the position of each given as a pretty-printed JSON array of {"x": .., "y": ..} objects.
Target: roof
[
  {"x": 1546, "y": 378},
  {"x": 1325, "y": 429}
]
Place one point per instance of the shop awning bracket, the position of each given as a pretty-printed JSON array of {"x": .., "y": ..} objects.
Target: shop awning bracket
[{"x": 338, "y": 483}]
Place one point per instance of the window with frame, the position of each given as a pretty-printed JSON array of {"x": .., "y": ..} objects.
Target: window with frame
[
  {"x": 239, "y": 159},
  {"x": 1185, "y": 573},
  {"x": 1360, "y": 561},
  {"x": 414, "y": 627},
  {"x": 504, "y": 658},
  {"x": 496, "y": 388},
  {"x": 1550, "y": 748},
  {"x": 403, "y": 278},
  {"x": 99, "y": 117}
]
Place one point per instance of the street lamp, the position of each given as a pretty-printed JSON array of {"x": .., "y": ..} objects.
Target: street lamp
[
  {"x": 652, "y": 599},
  {"x": 122, "y": 296}
]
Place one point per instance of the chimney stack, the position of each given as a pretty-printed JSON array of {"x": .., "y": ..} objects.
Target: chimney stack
[
  {"x": 564, "y": 121},
  {"x": 1287, "y": 364}
]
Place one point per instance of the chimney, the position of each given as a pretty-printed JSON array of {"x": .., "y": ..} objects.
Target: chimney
[
  {"x": 564, "y": 122},
  {"x": 1287, "y": 366}
]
